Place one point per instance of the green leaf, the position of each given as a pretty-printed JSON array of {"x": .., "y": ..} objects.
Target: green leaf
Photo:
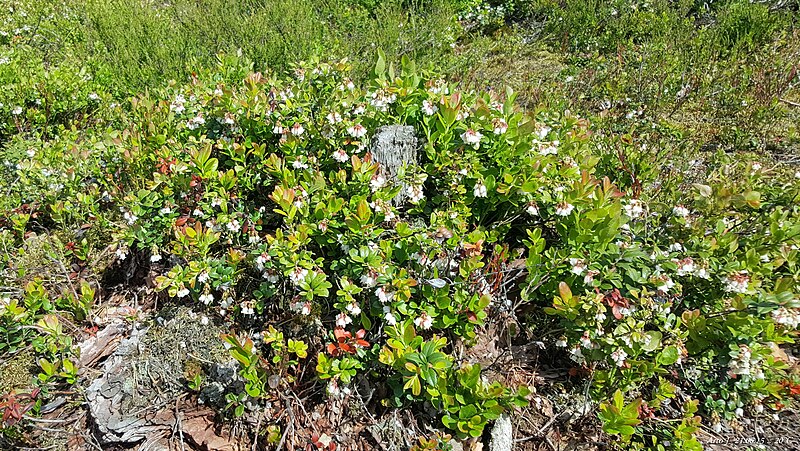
[
  {"x": 380, "y": 66},
  {"x": 704, "y": 190},
  {"x": 668, "y": 356},
  {"x": 655, "y": 341}
]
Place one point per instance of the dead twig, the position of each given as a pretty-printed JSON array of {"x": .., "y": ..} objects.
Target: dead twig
[
  {"x": 289, "y": 424},
  {"x": 178, "y": 424},
  {"x": 45, "y": 420},
  {"x": 789, "y": 102},
  {"x": 258, "y": 429}
]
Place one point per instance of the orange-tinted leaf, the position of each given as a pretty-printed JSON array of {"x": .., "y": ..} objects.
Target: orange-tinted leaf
[
  {"x": 340, "y": 334},
  {"x": 564, "y": 291}
]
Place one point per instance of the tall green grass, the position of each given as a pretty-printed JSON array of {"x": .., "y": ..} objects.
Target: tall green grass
[{"x": 137, "y": 44}]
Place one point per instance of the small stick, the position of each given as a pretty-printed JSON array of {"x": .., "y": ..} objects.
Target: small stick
[
  {"x": 258, "y": 429},
  {"x": 789, "y": 102}
]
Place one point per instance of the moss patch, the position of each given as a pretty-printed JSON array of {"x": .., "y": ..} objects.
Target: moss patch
[{"x": 16, "y": 373}]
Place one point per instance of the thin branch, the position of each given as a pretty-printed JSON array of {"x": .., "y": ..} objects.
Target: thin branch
[{"x": 789, "y": 102}]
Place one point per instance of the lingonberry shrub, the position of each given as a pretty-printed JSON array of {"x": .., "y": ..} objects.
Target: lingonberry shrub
[{"x": 261, "y": 202}]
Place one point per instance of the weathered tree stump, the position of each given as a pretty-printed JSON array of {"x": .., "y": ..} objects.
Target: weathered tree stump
[
  {"x": 394, "y": 146},
  {"x": 138, "y": 395}
]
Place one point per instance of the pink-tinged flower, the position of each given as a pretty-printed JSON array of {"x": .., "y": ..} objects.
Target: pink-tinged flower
[
  {"x": 383, "y": 295},
  {"x": 297, "y": 129},
  {"x": 634, "y": 208},
  {"x": 195, "y": 122},
  {"x": 619, "y": 357},
  {"x": 787, "y": 317},
  {"x": 564, "y": 209},
  {"x": 680, "y": 211},
  {"x": 586, "y": 341},
  {"x": 424, "y": 321},
  {"x": 472, "y": 138},
  {"x": 480, "y": 189},
  {"x": 589, "y": 277},
  {"x": 183, "y": 292},
  {"x": 206, "y": 298},
  {"x": 429, "y": 108},
  {"x": 261, "y": 260},
  {"x": 332, "y": 388},
  {"x": 378, "y": 181},
  {"x": 546, "y": 149},
  {"x": 532, "y": 209},
  {"x": 353, "y": 308},
  {"x": 342, "y": 320},
  {"x": 298, "y": 275},
  {"x": 666, "y": 284},
  {"x": 278, "y": 129},
  {"x": 415, "y": 194},
  {"x": 370, "y": 279},
  {"x": 303, "y": 308},
  {"x": 389, "y": 316},
  {"x": 500, "y": 126},
  {"x": 737, "y": 282},
  {"x": 357, "y": 131},
  {"x": 578, "y": 266},
  {"x": 298, "y": 164},
  {"x": 334, "y": 118},
  {"x": 341, "y": 156},
  {"x": 685, "y": 267},
  {"x": 247, "y": 308}
]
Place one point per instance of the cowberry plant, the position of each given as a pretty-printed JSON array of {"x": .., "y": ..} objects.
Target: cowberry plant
[
  {"x": 261, "y": 201},
  {"x": 268, "y": 205}
]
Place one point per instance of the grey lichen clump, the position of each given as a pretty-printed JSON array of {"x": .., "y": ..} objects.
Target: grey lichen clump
[
  {"x": 394, "y": 146},
  {"x": 149, "y": 371},
  {"x": 502, "y": 435}
]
